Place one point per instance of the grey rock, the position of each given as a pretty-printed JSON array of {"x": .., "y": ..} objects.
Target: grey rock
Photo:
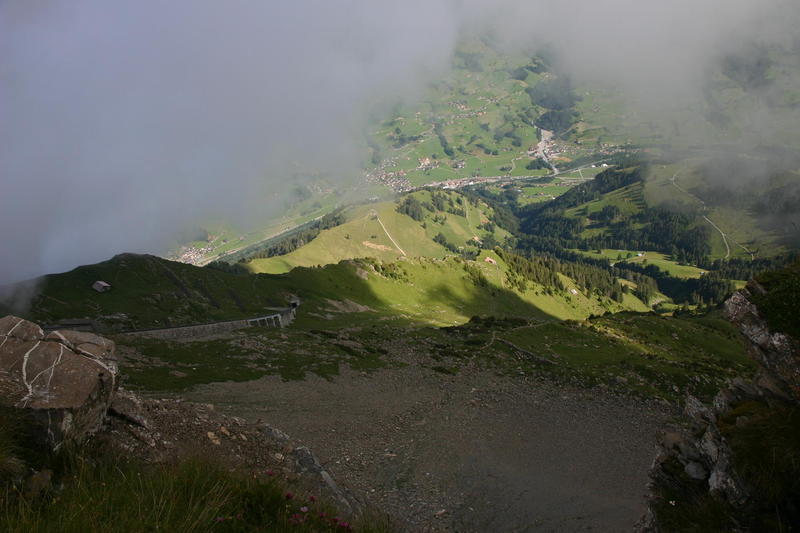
[
  {"x": 128, "y": 407},
  {"x": 65, "y": 380},
  {"x": 723, "y": 400},
  {"x": 307, "y": 463},
  {"x": 710, "y": 444},
  {"x": 724, "y": 480},
  {"x": 697, "y": 410},
  {"x": 704, "y": 452},
  {"x": 276, "y": 434},
  {"x": 695, "y": 470},
  {"x": 776, "y": 352}
]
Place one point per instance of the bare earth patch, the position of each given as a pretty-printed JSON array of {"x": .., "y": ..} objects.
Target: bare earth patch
[
  {"x": 467, "y": 452},
  {"x": 375, "y": 246},
  {"x": 346, "y": 306}
]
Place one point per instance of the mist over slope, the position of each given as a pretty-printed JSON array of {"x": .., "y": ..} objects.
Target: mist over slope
[{"x": 121, "y": 126}]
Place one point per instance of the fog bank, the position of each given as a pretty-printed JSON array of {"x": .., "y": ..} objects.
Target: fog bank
[{"x": 122, "y": 123}]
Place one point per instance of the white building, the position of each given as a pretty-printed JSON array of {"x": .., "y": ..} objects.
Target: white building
[{"x": 101, "y": 286}]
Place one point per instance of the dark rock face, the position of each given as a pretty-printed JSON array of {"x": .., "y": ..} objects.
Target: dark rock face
[
  {"x": 778, "y": 354},
  {"x": 65, "y": 380},
  {"x": 700, "y": 448}
]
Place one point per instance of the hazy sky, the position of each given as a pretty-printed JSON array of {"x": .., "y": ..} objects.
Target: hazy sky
[{"x": 122, "y": 121}]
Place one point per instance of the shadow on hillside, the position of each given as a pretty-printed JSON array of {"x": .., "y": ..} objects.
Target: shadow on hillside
[
  {"x": 435, "y": 305},
  {"x": 151, "y": 292}
]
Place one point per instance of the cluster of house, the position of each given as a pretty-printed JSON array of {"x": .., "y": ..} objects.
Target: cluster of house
[
  {"x": 426, "y": 163},
  {"x": 395, "y": 180},
  {"x": 194, "y": 256}
]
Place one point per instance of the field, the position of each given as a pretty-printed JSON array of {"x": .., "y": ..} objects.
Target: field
[
  {"x": 378, "y": 230},
  {"x": 744, "y": 230},
  {"x": 542, "y": 193},
  {"x": 477, "y": 121},
  {"x": 646, "y": 258},
  {"x": 639, "y": 351}
]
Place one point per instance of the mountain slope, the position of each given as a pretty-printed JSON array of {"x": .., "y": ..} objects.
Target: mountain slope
[
  {"x": 148, "y": 291},
  {"x": 381, "y": 231}
]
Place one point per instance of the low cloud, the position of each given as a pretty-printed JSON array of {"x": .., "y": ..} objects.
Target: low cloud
[{"x": 122, "y": 124}]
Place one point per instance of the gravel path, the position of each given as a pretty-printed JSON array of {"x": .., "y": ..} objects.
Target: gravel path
[{"x": 470, "y": 452}]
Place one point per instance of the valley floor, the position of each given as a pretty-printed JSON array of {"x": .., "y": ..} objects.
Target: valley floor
[{"x": 474, "y": 451}]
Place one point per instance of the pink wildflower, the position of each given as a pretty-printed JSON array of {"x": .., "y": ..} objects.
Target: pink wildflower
[
  {"x": 304, "y": 509},
  {"x": 289, "y": 495}
]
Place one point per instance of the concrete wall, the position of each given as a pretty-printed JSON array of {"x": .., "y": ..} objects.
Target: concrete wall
[
  {"x": 276, "y": 320},
  {"x": 200, "y": 330}
]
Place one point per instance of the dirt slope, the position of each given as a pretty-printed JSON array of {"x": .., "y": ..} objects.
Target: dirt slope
[{"x": 470, "y": 452}]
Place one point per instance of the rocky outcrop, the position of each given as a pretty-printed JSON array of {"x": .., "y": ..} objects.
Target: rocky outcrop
[
  {"x": 64, "y": 380},
  {"x": 170, "y": 430},
  {"x": 777, "y": 354},
  {"x": 67, "y": 381},
  {"x": 699, "y": 452}
]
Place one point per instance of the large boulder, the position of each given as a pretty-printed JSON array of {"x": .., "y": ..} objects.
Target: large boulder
[{"x": 65, "y": 380}]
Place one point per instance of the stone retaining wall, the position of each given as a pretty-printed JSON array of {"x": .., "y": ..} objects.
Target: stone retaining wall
[{"x": 275, "y": 320}]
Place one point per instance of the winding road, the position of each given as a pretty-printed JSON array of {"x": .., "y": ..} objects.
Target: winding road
[{"x": 705, "y": 217}]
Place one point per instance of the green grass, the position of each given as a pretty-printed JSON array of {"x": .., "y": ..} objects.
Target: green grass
[
  {"x": 120, "y": 496},
  {"x": 740, "y": 224},
  {"x": 363, "y": 236},
  {"x": 781, "y": 304},
  {"x": 645, "y": 353},
  {"x": 472, "y": 107},
  {"x": 246, "y": 355},
  {"x": 226, "y": 237},
  {"x": 628, "y": 199},
  {"x": 541, "y": 193},
  {"x": 438, "y": 288},
  {"x": 438, "y": 292},
  {"x": 660, "y": 260},
  {"x": 635, "y": 353},
  {"x": 149, "y": 292}
]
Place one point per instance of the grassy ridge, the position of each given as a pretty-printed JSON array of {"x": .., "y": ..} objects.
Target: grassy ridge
[
  {"x": 645, "y": 353},
  {"x": 440, "y": 292},
  {"x": 369, "y": 227},
  {"x": 149, "y": 292}
]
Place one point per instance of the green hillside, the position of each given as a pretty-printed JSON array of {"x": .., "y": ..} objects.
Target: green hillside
[
  {"x": 644, "y": 354},
  {"x": 440, "y": 292},
  {"x": 148, "y": 292},
  {"x": 484, "y": 118},
  {"x": 758, "y": 215},
  {"x": 380, "y": 231}
]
